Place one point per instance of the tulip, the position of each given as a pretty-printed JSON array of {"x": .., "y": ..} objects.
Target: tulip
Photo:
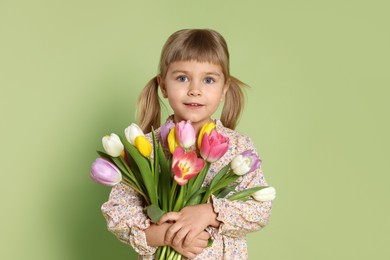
[
  {"x": 213, "y": 146},
  {"x": 245, "y": 162},
  {"x": 164, "y": 131},
  {"x": 104, "y": 172},
  {"x": 112, "y": 145},
  {"x": 132, "y": 132},
  {"x": 206, "y": 128},
  {"x": 172, "y": 142},
  {"x": 266, "y": 194},
  {"x": 143, "y": 145},
  {"x": 185, "y": 134},
  {"x": 185, "y": 165}
]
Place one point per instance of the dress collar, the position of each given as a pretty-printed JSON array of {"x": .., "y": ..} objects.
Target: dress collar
[{"x": 217, "y": 122}]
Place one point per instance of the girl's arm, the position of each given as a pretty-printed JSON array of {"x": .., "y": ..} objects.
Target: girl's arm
[
  {"x": 239, "y": 218},
  {"x": 126, "y": 219},
  {"x": 155, "y": 234}
]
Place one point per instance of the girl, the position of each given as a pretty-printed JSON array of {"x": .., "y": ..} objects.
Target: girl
[{"x": 194, "y": 76}]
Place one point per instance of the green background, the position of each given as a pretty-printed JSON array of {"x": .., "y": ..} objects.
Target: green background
[{"x": 317, "y": 110}]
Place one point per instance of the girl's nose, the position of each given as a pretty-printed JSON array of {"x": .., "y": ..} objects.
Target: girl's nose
[{"x": 194, "y": 90}]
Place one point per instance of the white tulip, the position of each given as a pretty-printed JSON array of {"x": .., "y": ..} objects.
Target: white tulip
[
  {"x": 112, "y": 145},
  {"x": 132, "y": 132},
  {"x": 240, "y": 164},
  {"x": 266, "y": 194}
]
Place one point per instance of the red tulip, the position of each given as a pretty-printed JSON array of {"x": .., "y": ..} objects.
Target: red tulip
[
  {"x": 185, "y": 165},
  {"x": 213, "y": 146}
]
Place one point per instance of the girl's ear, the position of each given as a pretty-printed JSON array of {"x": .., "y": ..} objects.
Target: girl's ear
[
  {"x": 162, "y": 86},
  {"x": 225, "y": 89}
]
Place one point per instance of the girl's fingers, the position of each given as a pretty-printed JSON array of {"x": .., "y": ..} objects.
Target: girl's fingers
[
  {"x": 189, "y": 238},
  {"x": 199, "y": 241},
  {"x": 192, "y": 236},
  {"x": 170, "y": 216},
  {"x": 170, "y": 234},
  {"x": 197, "y": 250},
  {"x": 204, "y": 235},
  {"x": 179, "y": 236}
]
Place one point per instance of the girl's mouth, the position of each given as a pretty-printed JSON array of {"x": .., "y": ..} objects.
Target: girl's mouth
[{"x": 193, "y": 105}]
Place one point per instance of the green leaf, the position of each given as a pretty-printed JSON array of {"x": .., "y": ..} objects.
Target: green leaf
[
  {"x": 196, "y": 197},
  {"x": 180, "y": 198},
  {"x": 165, "y": 178},
  {"x": 245, "y": 193},
  {"x": 197, "y": 183},
  {"x": 155, "y": 162},
  {"x": 154, "y": 213},
  {"x": 104, "y": 155},
  {"x": 165, "y": 167},
  {"x": 144, "y": 167},
  {"x": 219, "y": 176},
  {"x": 221, "y": 193},
  {"x": 172, "y": 195},
  {"x": 226, "y": 181},
  {"x": 134, "y": 168}
]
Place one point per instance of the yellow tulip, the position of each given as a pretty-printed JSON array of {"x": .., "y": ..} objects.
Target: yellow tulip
[
  {"x": 172, "y": 142},
  {"x": 143, "y": 145},
  {"x": 206, "y": 128}
]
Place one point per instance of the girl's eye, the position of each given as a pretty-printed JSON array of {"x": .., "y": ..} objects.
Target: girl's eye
[
  {"x": 209, "y": 80},
  {"x": 182, "y": 78}
]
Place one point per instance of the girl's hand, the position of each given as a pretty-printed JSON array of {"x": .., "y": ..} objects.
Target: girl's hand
[
  {"x": 155, "y": 234},
  {"x": 195, "y": 248},
  {"x": 188, "y": 224}
]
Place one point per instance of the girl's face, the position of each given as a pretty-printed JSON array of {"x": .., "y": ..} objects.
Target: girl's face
[{"x": 194, "y": 90}]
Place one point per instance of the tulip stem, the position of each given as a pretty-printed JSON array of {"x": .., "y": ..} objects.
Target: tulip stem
[
  {"x": 122, "y": 160},
  {"x": 173, "y": 192},
  {"x": 172, "y": 255},
  {"x": 180, "y": 198},
  {"x": 196, "y": 185},
  {"x": 162, "y": 252},
  {"x": 128, "y": 183}
]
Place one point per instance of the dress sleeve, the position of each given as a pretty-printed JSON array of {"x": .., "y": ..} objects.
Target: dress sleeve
[
  {"x": 238, "y": 217},
  {"x": 126, "y": 219}
]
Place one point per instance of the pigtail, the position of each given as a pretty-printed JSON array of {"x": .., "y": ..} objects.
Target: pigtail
[
  {"x": 148, "y": 107},
  {"x": 234, "y": 103}
]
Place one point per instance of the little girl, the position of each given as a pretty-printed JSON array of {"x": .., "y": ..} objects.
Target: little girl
[{"x": 194, "y": 76}]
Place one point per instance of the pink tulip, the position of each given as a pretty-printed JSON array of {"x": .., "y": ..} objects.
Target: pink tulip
[
  {"x": 185, "y": 134},
  {"x": 104, "y": 172},
  {"x": 213, "y": 146},
  {"x": 185, "y": 165}
]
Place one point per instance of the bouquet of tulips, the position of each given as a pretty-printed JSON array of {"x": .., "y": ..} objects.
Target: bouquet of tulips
[{"x": 169, "y": 181}]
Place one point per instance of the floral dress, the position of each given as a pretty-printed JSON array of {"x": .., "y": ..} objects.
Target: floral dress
[{"x": 126, "y": 219}]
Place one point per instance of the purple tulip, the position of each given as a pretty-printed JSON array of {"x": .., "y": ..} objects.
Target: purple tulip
[
  {"x": 164, "y": 131},
  {"x": 104, "y": 172},
  {"x": 245, "y": 162}
]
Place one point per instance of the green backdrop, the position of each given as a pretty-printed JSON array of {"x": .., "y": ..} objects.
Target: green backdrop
[{"x": 318, "y": 111}]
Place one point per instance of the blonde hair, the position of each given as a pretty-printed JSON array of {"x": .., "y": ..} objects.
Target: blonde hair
[{"x": 201, "y": 45}]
